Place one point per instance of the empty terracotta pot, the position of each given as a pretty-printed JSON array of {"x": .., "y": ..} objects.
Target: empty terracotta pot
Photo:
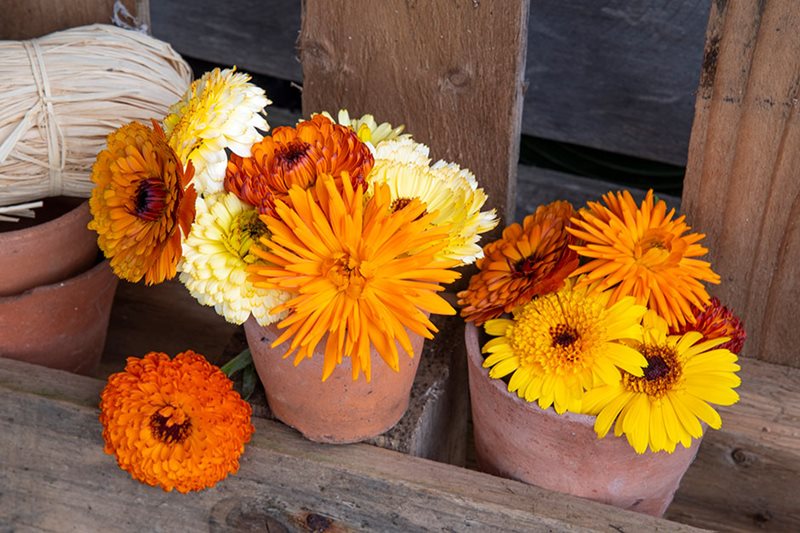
[
  {"x": 516, "y": 439},
  {"x": 339, "y": 410},
  {"x": 48, "y": 252},
  {"x": 62, "y": 325}
]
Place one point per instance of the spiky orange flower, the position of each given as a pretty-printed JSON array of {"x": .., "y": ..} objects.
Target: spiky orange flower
[
  {"x": 717, "y": 321},
  {"x": 174, "y": 423},
  {"x": 141, "y": 202},
  {"x": 642, "y": 252},
  {"x": 296, "y": 156},
  {"x": 362, "y": 274},
  {"x": 528, "y": 260}
]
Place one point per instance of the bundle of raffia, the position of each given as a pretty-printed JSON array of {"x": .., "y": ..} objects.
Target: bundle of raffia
[{"x": 62, "y": 94}]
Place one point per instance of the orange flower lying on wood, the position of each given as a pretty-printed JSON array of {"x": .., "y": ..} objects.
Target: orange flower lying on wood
[
  {"x": 644, "y": 253},
  {"x": 527, "y": 261},
  {"x": 296, "y": 156},
  {"x": 174, "y": 423},
  {"x": 141, "y": 202}
]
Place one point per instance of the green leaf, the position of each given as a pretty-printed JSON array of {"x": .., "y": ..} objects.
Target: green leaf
[
  {"x": 240, "y": 362},
  {"x": 248, "y": 382}
]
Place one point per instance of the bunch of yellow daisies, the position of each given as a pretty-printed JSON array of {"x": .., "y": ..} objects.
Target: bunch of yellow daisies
[{"x": 609, "y": 317}]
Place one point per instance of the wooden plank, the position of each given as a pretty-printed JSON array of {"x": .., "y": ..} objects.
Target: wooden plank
[
  {"x": 54, "y": 472},
  {"x": 34, "y": 18},
  {"x": 256, "y": 35},
  {"x": 616, "y": 76},
  {"x": 747, "y": 475},
  {"x": 619, "y": 76},
  {"x": 450, "y": 71},
  {"x": 741, "y": 184}
]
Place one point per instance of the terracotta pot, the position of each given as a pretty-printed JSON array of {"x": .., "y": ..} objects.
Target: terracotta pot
[
  {"x": 517, "y": 439},
  {"x": 48, "y": 252},
  {"x": 62, "y": 325},
  {"x": 339, "y": 410}
]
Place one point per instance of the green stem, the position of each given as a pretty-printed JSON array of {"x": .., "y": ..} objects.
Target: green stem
[{"x": 243, "y": 360}]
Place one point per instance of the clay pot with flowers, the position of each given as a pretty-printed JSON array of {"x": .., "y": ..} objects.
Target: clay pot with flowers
[
  {"x": 330, "y": 241},
  {"x": 627, "y": 341}
]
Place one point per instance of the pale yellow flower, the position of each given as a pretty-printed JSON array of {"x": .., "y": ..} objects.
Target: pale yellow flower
[
  {"x": 216, "y": 254},
  {"x": 220, "y": 110},
  {"x": 445, "y": 193},
  {"x": 403, "y": 150},
  {"x": 367, "y": 128}
]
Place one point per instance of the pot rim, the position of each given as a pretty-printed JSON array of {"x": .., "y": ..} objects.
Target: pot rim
[
  {"x": 476, "y": 359},
  {"x": 44, "y": 227},
  {"x": 75, "y": 280}
]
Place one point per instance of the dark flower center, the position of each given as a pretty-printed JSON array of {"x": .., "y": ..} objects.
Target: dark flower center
[
  {"x": 399, "y": 204},
  {"x": 167, "y": 430},
  {"x": 150, "y": 200},
  {"x": 526, "y": 267},
  {"x": 656, "y": 368},
  {"x": 292, "y": 153},
  {"x": 563, "y": 335}
]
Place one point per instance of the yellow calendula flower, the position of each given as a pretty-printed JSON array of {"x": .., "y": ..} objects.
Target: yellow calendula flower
[
  {"x": 445, "y": 192},
  {"x": 559, "y": 345},
  {"x": 361, "y": 273},
  {"x": 219, "y": 111},
  {"x": 367, "y": 128},
  {"x": 215, "y": 257},
  {"x": 664, "y": 406}
]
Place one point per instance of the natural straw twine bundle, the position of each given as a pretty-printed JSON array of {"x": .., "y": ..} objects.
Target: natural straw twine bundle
[{"x": 62, "y": 94}]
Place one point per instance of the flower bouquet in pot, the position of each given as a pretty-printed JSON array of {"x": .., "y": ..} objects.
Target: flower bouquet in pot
[
  {"x": 330, "y": 240},
  {"x": 605, "y": 352}
]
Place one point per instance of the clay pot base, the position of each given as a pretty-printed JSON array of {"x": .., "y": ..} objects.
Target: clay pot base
[
  {"x": 340, "y": 410},
  {"x": 62, "y": 325},
  {"x": 518, "y": 440},
  {"x": 53, "y": 247}
]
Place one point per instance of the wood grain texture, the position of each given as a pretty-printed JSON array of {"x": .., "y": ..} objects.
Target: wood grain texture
[
  {"x": 619, "y": 76},
  {"x": 34, "y": 18},
  {"x": 54, "y": 472},
  {"x": 450, "y": 71},
  {"x": 741, "y": 184},
  {"x": 255, "y": 35}
]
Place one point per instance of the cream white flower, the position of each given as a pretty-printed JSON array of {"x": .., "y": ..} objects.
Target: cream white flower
[
  {"x": 215, "y": 257},
  {"x": 446, "y": 191},
  {"x": 403, "y": 150},
  {"x": 220, "y": 110},
  {"x": 367, "y": 128}
]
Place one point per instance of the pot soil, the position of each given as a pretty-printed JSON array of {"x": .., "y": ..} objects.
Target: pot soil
[
  {"x": 338, "y": 410},
  {"x": 517, "y": 439},
  {"x": 62, "y": 325}
]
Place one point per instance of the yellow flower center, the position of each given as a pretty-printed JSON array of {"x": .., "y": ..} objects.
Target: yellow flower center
[
  {"x": 662, "y": 373},
  {"x": 245, "y": 230},
  {"x": 348, "y": 274},
  {"x": 170, "y": 425}
]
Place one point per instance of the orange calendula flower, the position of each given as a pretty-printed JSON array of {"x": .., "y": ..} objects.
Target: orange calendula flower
[
  {"x": 176, "y": 424},
  {"x": 296, "y": 156},
  {"x": 361, "y": 273},
  {"x": 528, "y": 260},
  {"x": 642, "y": 251},
  {"x": 717, "y": 321},
  {"x": 141, "y": 202}
]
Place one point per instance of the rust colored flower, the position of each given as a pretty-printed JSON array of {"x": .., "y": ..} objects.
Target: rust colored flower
[
  {"x": 642, "y": 251},
  {"x": 296, "y": 156},
  {"x": 176, "y": 424},
  {"x": 141, "y": 202},
  {"x": 527, "y": 261},
  {"x": 717, "y": 321}
]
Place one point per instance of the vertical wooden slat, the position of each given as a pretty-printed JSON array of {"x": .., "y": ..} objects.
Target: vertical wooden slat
[
  {"x": 34, "y": 18},
  {"x": 742, "y": 185},
  {"x": 451, "y": 71}
]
